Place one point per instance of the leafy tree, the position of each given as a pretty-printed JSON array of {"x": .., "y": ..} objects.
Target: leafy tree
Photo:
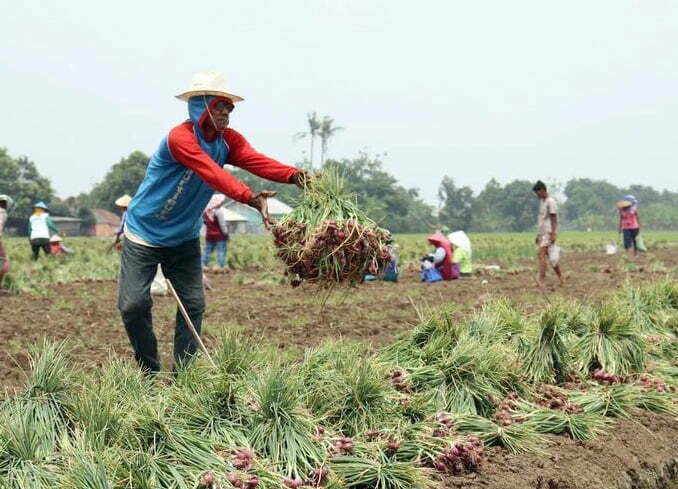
[
  {"x": 456, "y": 210},
  {"x": 646, "y": 195},
  {"x": 59, "y": 208},
  {"x": 20, "y": 179},
  {"x": 519, "y": 205},
  {"x": 586, "y": 196},
  {"x": 123, "y": 178},
  {"x": 512, "y": 207},
  {"x": 486, "y": 214},
  {"x": 659, "y": 217},
  {"x": 87, "y": 217}
]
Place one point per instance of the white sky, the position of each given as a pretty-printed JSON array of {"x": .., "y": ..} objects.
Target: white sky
[{"x": 471, "y": 89}]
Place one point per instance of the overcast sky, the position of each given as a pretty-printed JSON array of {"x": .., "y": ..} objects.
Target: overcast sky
[{"x": 469, "y": 89}]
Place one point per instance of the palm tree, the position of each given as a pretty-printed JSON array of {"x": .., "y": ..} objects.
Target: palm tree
[
  {"x": 313, "y": 129},
  {"x": 327, "y": 130}
]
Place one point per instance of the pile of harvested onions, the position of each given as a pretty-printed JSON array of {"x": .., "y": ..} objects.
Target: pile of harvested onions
[{"x": 327, "y": 238}]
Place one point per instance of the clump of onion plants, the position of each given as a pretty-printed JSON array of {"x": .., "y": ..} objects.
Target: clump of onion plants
[
  {"x": 614, "y": 401},
  {"x": 554, "y": 412},
  {"x": 433, "y": 325},
  {"x": 346, "y": 388},
  {"x": 619, "y": 400},
  {"x": 88, "y": 469},
  {"x": 465, "y": 375},
  {"x": 612, "y": 342},
  {"x": 546, "y": 357},
  {"x": 578, "y": 425},
  {"x": 29, "y": 435},
  {"x": 50, "y": 377},
  {"x": 379, "y": 472},
  {"x": 206, "y": 402},
  {"x": 327, "y": 238},
  {"x": 497, "y": 320},
  {"x": 280, "y": 429},
  {"x": 516, "y": 437}
]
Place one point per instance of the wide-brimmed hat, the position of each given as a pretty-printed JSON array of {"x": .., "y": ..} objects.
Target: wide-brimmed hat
[
  {"x": 55, "y": 239},
  {"x": 40, "y": 205},
  {"x": 627, "y": 201},
  {"x": 123, "y": 201},
  {"x": 209, "y": 83}
]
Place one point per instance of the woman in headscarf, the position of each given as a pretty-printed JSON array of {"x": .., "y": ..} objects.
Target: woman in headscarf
[
  {"x": 629, "y": 223},
  {"x": 461, "y": 246},
  {"x": 216, "y": 235},
  {"x": 442, "y": 256}
]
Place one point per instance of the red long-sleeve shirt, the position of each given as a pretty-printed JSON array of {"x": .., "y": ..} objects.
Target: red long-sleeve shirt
[{"x": 186, "y": 150}]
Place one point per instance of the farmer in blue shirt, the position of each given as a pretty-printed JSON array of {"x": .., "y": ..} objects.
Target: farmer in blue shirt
[{"x": 163, "y": 220}]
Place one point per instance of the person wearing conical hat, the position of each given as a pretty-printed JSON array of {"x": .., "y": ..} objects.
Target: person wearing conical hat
[
  {"x": 55, "y": 248},
  {"x": 164, "y": 217},
  {"x": 629, "y": 223},
  {"x": 40, "y": 228}
]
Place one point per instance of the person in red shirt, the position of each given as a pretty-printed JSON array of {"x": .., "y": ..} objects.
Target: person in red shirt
[
  {"x": 442, "y": 256},
  {"x": 629, "y": 223},
  {"x": 162, "y": 225}
]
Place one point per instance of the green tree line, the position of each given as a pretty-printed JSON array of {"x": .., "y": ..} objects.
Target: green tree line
[{"x": 585, "y": 203}]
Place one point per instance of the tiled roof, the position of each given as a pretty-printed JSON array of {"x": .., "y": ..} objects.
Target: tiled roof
[{"x": 103, "y": 216}]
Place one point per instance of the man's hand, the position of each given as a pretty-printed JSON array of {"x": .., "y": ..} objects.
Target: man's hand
[
  {"x": 552, "y": 237},
  {"x": 300, "y": 179},
  {"x": 259, "y": 202}
]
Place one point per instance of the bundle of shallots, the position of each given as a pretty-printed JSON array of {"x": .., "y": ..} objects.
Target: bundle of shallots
[{"x": 327, "y": 239}]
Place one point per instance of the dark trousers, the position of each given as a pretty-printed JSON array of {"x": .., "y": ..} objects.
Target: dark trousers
[
  {"x": 38, "y": 243},
  {"x": 630, "y": 236},
  {"x": 181, "y": 265}
]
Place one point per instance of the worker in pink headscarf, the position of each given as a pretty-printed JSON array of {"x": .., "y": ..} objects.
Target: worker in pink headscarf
[
  {"x": 216, "y": 236},
  {"x": 442, "y": 256}
]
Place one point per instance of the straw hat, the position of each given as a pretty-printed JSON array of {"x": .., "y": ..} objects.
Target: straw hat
[
  {"x": 123, "y": 201},
  {"x": 209, "y": 83}
]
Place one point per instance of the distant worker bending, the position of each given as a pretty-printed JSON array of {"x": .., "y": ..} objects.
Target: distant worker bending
[{"x": 40, "y": 229}]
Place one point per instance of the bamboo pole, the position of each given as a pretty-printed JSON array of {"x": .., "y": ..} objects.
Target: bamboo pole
[{"x": 189, "y": 322}]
